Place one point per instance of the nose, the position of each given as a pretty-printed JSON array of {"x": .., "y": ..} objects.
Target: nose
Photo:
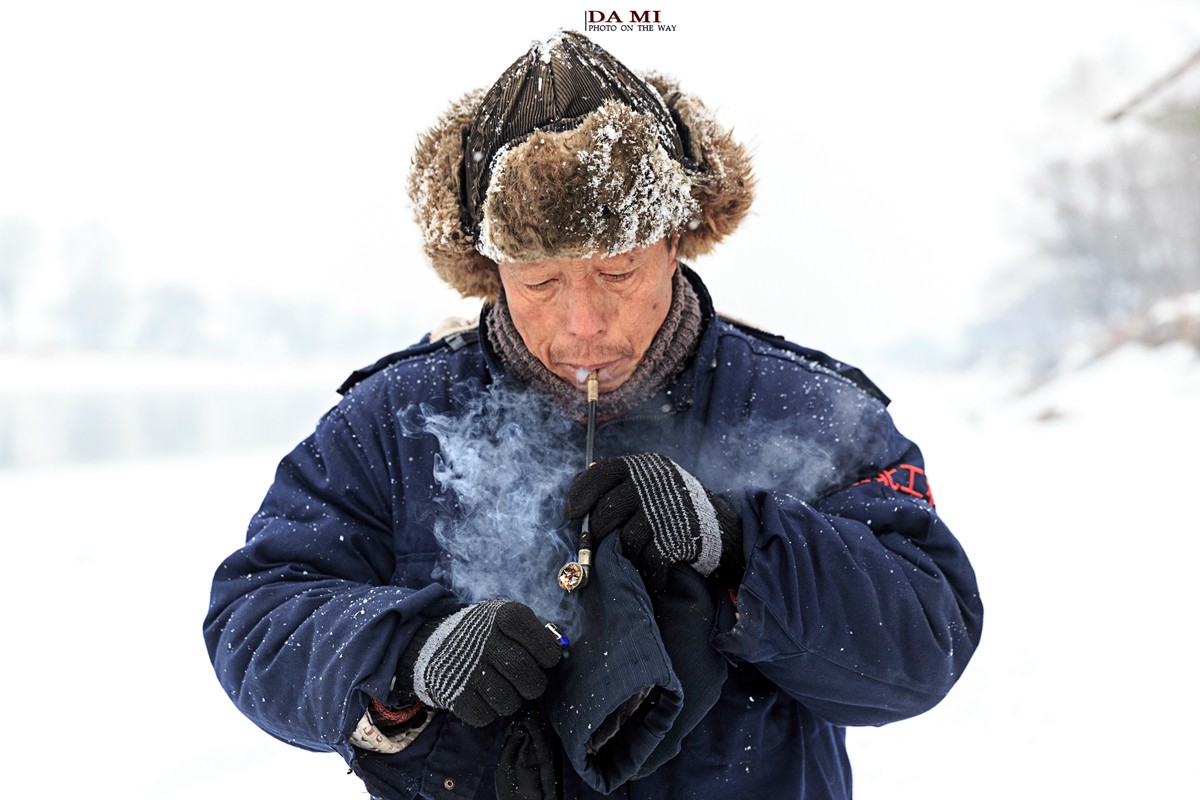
[{"x": 586, "y": 314}]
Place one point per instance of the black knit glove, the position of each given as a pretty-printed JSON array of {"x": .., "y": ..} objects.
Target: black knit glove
[
  {"x": 530, "y": 766},
  {"x": 481, "y": 661},
  {"x": 665, "y": 516}
]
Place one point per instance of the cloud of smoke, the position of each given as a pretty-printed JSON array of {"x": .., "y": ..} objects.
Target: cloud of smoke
[
  {"x": 506, "y": 459},
  {"x": 505, "y": 462},
  {"x": 804, "y": 455}
]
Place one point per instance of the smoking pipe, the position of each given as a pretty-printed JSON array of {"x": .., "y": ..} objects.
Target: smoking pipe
[{"x": 574, "y": 574}]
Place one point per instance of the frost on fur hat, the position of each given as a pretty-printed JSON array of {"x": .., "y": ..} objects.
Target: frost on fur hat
[{"x": 569, "y": 155}]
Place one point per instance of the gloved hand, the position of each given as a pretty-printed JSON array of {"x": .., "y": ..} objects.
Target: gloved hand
[
  {"x": 481, "y": 661},
  {"x": 665, "y": 516},
  {"x": 530, "y": 766}
]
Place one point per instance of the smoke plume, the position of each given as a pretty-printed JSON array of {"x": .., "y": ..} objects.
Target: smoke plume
[
  {"x": 506, "y": 459},
  {"x": 505, "y": 462}
]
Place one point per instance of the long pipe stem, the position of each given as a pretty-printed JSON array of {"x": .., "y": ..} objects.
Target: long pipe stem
[{"x": 574, "y": 574}]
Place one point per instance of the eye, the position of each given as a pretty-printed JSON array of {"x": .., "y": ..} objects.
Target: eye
[
  {"x": 541, "y": 286},
  {"x": 617, "y": 277}
]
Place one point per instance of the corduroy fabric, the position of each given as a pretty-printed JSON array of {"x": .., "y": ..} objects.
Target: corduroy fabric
[
  {"x": 685, "y": 614},
  {"x": 619, "y": 657},
  {"x": 667, "y": 356}
]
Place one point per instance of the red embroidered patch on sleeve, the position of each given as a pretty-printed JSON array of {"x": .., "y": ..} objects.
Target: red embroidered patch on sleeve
[{"x": 906, "y": 479}]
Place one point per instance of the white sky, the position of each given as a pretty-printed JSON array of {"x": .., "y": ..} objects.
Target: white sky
[{"x": 264, "y": 145}]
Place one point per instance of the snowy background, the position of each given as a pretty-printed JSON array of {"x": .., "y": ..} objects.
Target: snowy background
[{"x": 203, "y": 229}]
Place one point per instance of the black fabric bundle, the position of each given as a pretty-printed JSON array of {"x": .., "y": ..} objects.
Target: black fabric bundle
[{"x": 640, "y": 677}]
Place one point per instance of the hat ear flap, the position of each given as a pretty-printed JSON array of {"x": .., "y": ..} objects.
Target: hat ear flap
[
  {"x": 724, "y": 187},
  {"x": 434, "y": 187}
]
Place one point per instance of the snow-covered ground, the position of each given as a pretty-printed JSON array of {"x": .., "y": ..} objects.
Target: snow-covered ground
[{"x": 1074, "y": 501}]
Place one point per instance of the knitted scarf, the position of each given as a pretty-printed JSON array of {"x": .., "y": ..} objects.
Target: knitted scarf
[{"x": 666, "y": 357}]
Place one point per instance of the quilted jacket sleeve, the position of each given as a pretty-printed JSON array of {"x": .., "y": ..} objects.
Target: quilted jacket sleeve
[
  {"x": 303, "y": 625},
  {"x": 860, "y": 604}
]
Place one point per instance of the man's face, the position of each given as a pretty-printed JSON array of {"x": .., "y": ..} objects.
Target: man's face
[{"x": 600, "y": 313}]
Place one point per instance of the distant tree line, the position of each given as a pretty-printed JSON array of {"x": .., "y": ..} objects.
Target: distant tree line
[
  {"x": 92, "y": 308},
  {"x": 1118, "y": 248}
]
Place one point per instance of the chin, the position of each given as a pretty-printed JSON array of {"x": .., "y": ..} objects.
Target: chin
[{"x": 611, "y": 384}]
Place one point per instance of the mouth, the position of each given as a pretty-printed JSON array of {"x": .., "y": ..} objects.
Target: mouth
[{"x": 607, "y": 372}]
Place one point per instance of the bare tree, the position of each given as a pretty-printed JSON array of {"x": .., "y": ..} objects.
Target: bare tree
[
  {"x": 1120, "y": 231},
  {"x": 173, "y": 321},
  {"x": 16, "y": 247},
  {"x": 94, "y": 311}
]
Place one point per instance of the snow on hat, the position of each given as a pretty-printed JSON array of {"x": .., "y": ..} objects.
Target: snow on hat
[{"x": 569, "y": 155}]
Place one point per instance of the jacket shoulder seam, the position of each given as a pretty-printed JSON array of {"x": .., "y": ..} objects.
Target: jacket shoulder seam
[
  {"x": 814, "y": 360},
  {"x": 453, "y": 342}
]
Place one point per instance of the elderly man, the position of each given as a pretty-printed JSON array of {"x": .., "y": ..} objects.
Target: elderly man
[{"x": 768, "y": 564}]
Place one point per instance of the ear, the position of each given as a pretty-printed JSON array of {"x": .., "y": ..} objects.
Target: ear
[{"x": 672, "y": 247}]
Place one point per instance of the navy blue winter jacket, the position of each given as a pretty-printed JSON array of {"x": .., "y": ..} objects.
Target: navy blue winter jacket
[{"x": 858, "y": 606}]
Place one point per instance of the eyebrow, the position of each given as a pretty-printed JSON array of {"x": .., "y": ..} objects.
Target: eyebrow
[{"x": 621, "y": 261}]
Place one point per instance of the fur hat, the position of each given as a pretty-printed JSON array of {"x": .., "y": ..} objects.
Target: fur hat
[{"x": 569, "y": 155}]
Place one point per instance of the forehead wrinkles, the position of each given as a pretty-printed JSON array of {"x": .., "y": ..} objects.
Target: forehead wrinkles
[{"x": 520, "y": 270}]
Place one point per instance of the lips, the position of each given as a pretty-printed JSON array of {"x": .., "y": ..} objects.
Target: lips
[{"x": 608, "y": 372}]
